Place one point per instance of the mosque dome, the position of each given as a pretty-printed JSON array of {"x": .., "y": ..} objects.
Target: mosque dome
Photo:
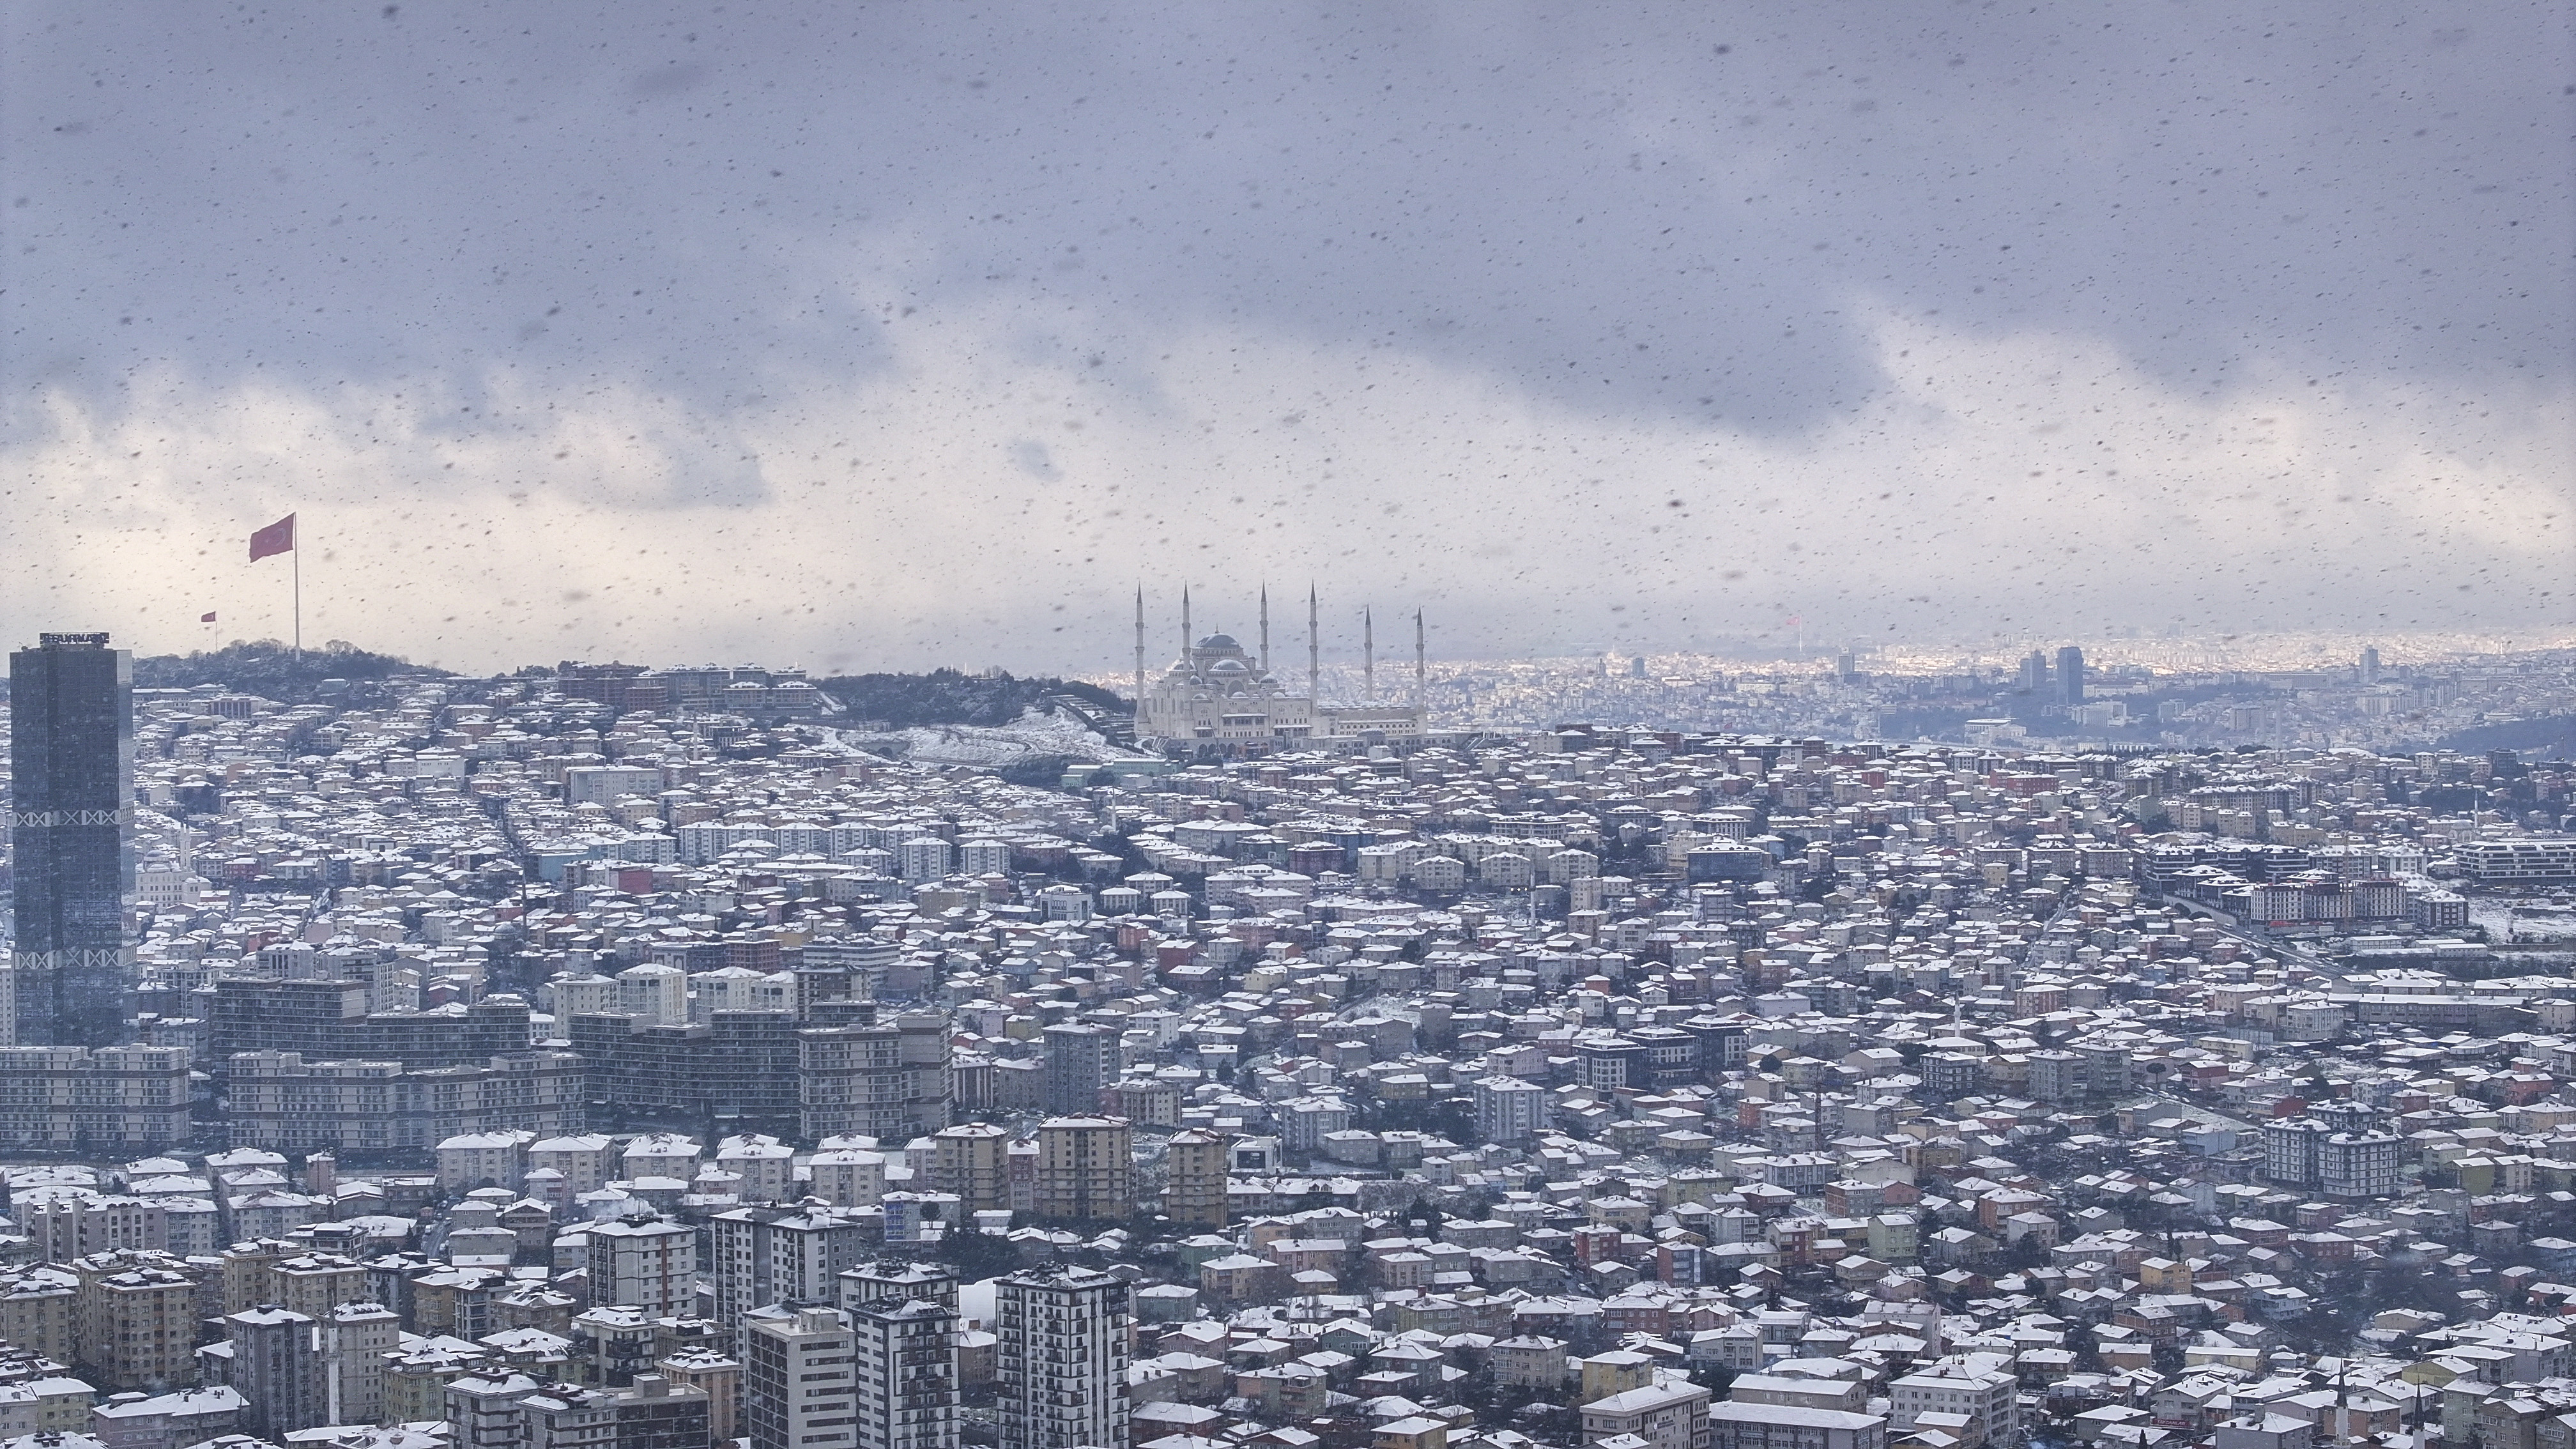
[
  {"x": 1220, "y": 641},
  {"x": 1229, "y": 666}
]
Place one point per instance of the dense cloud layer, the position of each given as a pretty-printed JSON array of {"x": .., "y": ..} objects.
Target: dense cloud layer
[{"x": 673, "y": 334}]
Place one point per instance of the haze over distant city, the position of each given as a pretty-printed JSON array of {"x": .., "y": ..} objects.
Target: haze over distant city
[{"x": 892, "y": 337}]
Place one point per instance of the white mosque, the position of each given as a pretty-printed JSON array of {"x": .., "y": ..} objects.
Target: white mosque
[{"x": 1219, "y": 700}]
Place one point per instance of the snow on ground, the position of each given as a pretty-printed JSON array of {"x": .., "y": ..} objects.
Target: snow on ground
[{"x": 1031, "y": 736}]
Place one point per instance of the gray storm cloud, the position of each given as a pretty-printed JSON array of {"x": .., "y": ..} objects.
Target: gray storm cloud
[{"x": 906, "y": 334}]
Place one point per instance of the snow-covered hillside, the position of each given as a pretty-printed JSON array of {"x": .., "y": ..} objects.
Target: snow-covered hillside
[{"x": 1033, "y": 735}]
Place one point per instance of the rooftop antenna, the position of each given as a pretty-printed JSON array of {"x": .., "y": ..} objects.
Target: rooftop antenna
[
  {"x": 1265, "y": 628},
  {"x": 1368, "y": 653},
  {"x": 1314, "y": 655}
]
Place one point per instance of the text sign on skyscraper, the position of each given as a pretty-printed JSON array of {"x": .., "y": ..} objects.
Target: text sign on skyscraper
[{"x": 71, "y": 742}]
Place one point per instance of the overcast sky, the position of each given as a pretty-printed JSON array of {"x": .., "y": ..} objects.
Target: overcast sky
[{"x": 900, "y": 335}]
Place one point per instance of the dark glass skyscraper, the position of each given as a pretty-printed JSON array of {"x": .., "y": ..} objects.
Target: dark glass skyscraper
[{"x": 71, "y": 754}]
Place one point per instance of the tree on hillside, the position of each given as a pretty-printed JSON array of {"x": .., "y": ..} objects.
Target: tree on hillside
[{"x": 274, "y": 670}]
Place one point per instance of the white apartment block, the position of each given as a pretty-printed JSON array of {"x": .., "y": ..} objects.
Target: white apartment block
[
  {"x": 644, "y": 1263},
  {"x": 1510, "y": 1110},
  {"x": 1735, "y": 1425},
  {"x": 766, "y": 1166},
  {"x": 2360, "y": 1164},
  {"x": 848, "y": 1176},
  {"x": 800, "y": 1380},
  {"x": 1671, "y": 1415},
  {"x": 1989, "y": 1401},
  {"x": 766, "y": 1256},
  {"x": 584, "y": 1162},
  {"x": 2519, "y": 861},
  {"x": 603, "y": 784},
  {"x": 476, "y": 1159},
  {"x": 61, "y": 1229}
]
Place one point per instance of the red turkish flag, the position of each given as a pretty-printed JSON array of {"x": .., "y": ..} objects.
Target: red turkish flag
[
  {"x": 205, "y": 618},
  {"x": 278, "y": 537}
]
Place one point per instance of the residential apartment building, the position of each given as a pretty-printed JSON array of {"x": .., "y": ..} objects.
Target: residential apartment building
[
  {"x": 277, "y": 1365},
  {"x": 356, "y": 1338},
  {"x": 285, "y": 1103},
  {"x": 645, "y": 1263},
  {"x": 136, "y": 1320},
  {"x": 109, "y": 1098},
  {"x": 1529, "y": 1362},
  {"x": 971, "y": 1160},
  {"x": 800, "y": 1380},
  {"x": 886, "y": 1281},
  {"x": 1734, "y": 1425},
  {"x": 767, "y": 1256},
  {"x": 500, "y": 1410},
  {"x": 166, "y": 1421},
  {"x": 1671, "y": 1415},
  {"x": 716, "y": 1375},
  {"x": 2360, "y": 1164},
  {"x": 284, "y": 1273},
  {"x": 1061, "y": 1358},
  {"x": 1990, "y": 1403},
  {"x": 39, "y": 1310},
  {"x": 1086, "y": 1169},
  {"x": 1509, "y": 1110},
  {"x": 334, "y": 1020},
  {"x": 887, "y": 1082},
  {"x": 582, "y": 1161},
  {"x": 766, "y": 1167},
  {"x": 470, "y": 1160},
  {"x": 1080, "y": 1060},
  {"x": 314, "y": 1284},
  {"x": 1194, "y": 1178},
  {"x": 61, "y": 1229},
  {"x": 2290, "y": 1150},
  {"x": 907, "y": 1389}
]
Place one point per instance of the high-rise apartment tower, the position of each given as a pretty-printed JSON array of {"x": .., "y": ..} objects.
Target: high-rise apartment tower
[{"x": 1062, "y": 1357}]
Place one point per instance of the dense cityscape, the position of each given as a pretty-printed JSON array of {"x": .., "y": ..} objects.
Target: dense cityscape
[
  {"x": 1678, "y": 724},
  {"x": 656, "y": 1058}
]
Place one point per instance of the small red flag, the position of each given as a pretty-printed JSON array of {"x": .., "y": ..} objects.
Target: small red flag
[
  {"x": 278, "y": 537},
  {"x": 205, "y": 618}
]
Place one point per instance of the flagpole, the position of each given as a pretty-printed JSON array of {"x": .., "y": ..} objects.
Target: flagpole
[{"x": 298, "y": 571}]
